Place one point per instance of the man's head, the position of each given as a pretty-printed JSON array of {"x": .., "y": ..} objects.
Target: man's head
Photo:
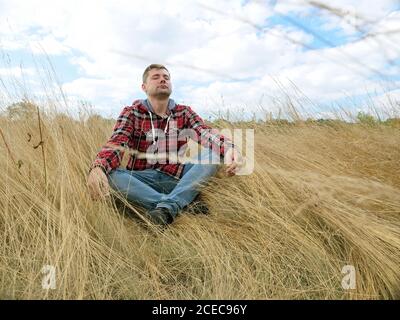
[{"x": 157, "y": 81}]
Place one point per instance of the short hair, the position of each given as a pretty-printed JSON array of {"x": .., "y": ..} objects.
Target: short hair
[{"x": 150, "y": 67}]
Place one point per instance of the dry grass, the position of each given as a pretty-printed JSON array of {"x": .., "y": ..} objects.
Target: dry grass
[{"x": 321, "y": 197}]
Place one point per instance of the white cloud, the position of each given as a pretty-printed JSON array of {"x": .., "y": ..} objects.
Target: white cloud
[
  {"x": 48, "y": 45},
  {"x": 17, "y": 72},
  {"x": 348, "y": 15},
  {"x": 363, "y": 8},
  {"x": 212, "y": 49},
  {"x": 388, "y": 102}
]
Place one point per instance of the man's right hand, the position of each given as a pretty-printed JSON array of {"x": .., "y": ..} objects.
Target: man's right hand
[{"x": 97, "y": 183}]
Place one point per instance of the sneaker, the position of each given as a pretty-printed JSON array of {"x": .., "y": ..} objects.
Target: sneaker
[
  {"x": 198, "y": 207},
  {"x": 160, "y": 216}
]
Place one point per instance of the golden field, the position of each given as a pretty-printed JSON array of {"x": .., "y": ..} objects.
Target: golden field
[{"x": 322, "y": 196}]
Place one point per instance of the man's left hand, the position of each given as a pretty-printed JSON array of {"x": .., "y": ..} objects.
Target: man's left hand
[{"x": 234, "y": 161}]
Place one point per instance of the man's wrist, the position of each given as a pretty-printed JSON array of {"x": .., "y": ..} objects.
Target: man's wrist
[{"x": 98, "y": 166}]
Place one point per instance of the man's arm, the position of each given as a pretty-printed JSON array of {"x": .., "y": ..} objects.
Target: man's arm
[
  {"x": 212, "y": 139},
  {"x": 110, "y": 156}
]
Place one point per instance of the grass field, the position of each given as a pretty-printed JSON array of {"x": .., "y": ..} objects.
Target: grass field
[{"x": 322, "y": 196}]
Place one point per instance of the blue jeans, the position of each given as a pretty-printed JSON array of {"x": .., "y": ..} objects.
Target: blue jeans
[{"x": 152, "y": 188}]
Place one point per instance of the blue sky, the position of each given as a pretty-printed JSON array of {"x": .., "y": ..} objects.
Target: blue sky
[{"x": 236, "y": 55}]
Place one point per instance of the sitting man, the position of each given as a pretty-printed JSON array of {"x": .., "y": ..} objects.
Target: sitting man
[{"x": 155, "y": 132}]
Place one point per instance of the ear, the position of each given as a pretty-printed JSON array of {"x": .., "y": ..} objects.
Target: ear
[{"x": 143, "y": 87}]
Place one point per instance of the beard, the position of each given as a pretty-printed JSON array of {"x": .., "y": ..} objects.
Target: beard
[{"x": 161, "y": 94}]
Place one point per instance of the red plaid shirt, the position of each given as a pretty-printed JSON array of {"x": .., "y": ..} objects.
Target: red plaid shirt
[{"x": 134, "y": 133}]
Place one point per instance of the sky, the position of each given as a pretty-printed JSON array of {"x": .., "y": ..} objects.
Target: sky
[{"x": 248, "y": 57}]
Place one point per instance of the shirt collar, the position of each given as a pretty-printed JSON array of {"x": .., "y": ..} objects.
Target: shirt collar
[{"x": 147, "y": 104}]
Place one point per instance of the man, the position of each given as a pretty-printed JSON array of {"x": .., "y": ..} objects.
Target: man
[{"x": 151, "y": 130}]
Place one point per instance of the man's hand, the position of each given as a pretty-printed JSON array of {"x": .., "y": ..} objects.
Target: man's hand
[
  {"x": 97, "y": 183},
  {"x": 234, "y": 161}
]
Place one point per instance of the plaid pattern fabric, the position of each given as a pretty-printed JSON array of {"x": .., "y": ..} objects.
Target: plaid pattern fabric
[{"x": 158, "y": 146}]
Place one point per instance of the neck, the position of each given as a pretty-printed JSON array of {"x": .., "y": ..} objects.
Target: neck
[{"x": 160, "y": 106}]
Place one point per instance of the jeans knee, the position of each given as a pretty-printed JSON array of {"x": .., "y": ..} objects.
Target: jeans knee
[{"x": 115, "y": 178}]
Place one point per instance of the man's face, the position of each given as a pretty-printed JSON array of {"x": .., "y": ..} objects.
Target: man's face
[{"x": 158, "y": 84}]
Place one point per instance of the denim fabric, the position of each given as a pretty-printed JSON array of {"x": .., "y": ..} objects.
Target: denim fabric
[{"x": 152, "y": 188}]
